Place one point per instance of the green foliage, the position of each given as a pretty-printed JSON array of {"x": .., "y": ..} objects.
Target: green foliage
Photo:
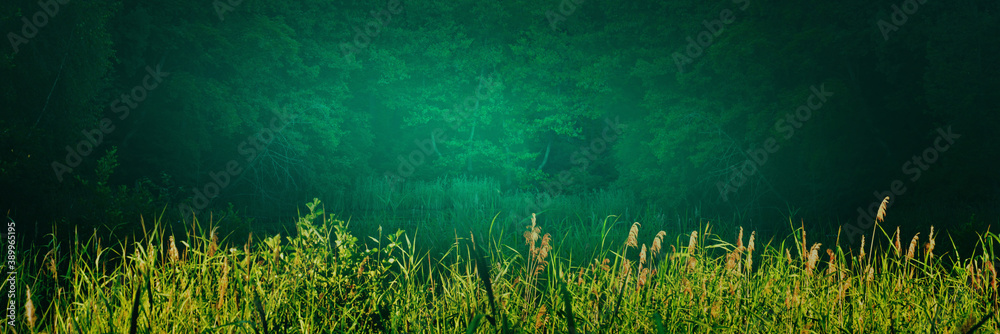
[{"x": 325, "y": 279}]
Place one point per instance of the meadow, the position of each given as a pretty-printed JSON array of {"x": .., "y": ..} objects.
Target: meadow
[{"x": 437, "y": 260}]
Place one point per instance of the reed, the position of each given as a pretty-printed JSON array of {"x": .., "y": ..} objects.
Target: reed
[{"x": 321, "y": 278}]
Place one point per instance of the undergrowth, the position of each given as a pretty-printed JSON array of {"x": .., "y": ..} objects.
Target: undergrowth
[{"x": 323, "y": 279}]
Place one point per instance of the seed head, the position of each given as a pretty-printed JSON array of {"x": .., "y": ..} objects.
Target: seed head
[
  {"x": 929, "y": 246},
  {"x": 692, "y": 242},
  {"x": 813, "y": 257},
  {"x": 896, "y": 245},
  {"x": 913, "y": 247},
  {"x": 642, "y": 256},
  {"x": 881, "y": 210},
  {"x": 656, "y": 242},
  {"x": 172, "y": 254},
  {"x": 633, "y": 235}
]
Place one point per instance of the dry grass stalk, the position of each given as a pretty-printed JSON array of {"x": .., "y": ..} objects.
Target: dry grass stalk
[
  {"x": 214, "y": 246},
  {"x": 739, "y": 239},
  {"x": 881, "y": 210},
  {"x": 862, "y": 255},
  {"x": 633, "y": 236},
  {"x": 993, "y": 275},
  {"x": 626, "y": 268},
  {"x": 531, "y": 235},
  {"x": 540, "y": 318},
  {"x": 643, "y": 276},
  {"x": 29, "y": 311},
  {"x": 913, "y": 247},
  {"x": 172, "y": 254},
  {"x": 750, "y": 248},
  {"x": 832, "y": 262},
  {"x": 223, "y": 282},
  {"x": 50, "y": 263},
  {"x": 896, "y": 245},
  {"x": 686, "y": 289},
  {"x": 642, "y": 257},
  {"x": 655, "y": 249},
  {"x": 813, "y": 257},
  {"x": 541, "y": 253},
  {"x": 929, "y": 246},
  {"x": 805, "y": 251},
  {"x": 733, "y": 263},
  {"x": 792, "y": 297},
  {"x": 692, "y": 263},
  {"x": 693, "y": 242}
]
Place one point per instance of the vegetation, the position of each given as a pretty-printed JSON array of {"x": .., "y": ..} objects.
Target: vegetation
[
  {"x": 521, "y": 91},
  {"x": 321, "y": 278},
  {"x": 499, "y": 166}
]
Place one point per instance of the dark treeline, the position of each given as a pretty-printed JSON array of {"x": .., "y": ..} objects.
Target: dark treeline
[{"x": 743, "y": 109}]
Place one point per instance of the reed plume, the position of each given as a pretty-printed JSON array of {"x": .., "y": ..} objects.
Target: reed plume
[
  {"x": 733, "y": 263},
  {"x": 896, "y": 245},
  {"x": 51, "y": 264},
  {"x": 633, "y": 235},
  {"x": 223, "y": 282},
  {"x": 805, "y": 250},
  {"x": 657, "y": 243},
  {"x": 531, "y": 235},
  {"x": 29, "y": 310},
  {"x": 881, "y": 210},
  {"x": 929, "y": 246},
  {"x": 172, "y": 254},
  {"x": 214, "y": 246},
  {"x": 913, "y": 247},
  {"x": 832, "y": 262},
  {"x": 993, "y": 275},
  {"x": 692, "y": 263},
  {"x": 540, "y": 318},
  {"x": 862, "y": 255},
  {"x": 739, "y": 239},
  {"x": 642, "y": 257},
  {"x": 812, "y": 258},
  {"x": 693, "y": 242}
]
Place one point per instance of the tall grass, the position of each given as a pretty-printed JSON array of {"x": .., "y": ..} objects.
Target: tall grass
[{"x": 632, "y": 278}]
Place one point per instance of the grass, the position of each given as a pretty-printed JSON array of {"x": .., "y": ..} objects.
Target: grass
[{"x": 604, "y": 276}]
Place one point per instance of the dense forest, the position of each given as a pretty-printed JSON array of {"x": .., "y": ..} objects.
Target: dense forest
[{"x": 753, "y": 112}]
